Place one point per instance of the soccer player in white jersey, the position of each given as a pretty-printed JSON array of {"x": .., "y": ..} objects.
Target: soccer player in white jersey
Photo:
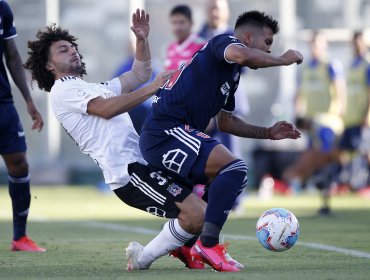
[{"x": 94, "y": 115}]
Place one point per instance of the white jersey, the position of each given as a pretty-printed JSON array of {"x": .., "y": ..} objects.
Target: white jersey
[{"x": 113, "y": 143}]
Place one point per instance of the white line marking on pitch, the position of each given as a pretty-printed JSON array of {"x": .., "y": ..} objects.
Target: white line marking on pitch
[{"x": 146, "y": 231}]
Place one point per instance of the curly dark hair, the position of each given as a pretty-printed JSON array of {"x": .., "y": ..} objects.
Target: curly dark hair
[
  {"x": 259, "y": 19},
  {"x": 39, "y": 54}
]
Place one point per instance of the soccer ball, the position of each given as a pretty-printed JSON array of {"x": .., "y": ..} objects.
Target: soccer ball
[{"x": 277, "y": 229}]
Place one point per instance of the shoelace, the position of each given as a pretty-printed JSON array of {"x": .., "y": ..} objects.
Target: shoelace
[
  {"x": 225, "y": 246},
  {"x": 220, "y": 250}
]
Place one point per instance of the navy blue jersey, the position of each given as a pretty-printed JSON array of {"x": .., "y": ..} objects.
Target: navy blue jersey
[
  {"x": 7, "y": 31},
  {"x": 198, "y": 90}
]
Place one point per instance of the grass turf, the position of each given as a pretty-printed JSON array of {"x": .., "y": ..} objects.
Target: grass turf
[{"x": 86, "y": 232}]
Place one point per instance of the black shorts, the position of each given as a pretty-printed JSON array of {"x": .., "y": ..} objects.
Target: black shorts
[{"x": 152, "y": 191}]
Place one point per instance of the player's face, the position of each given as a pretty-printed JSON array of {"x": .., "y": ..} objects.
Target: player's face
[
  {"x": 64, "y": 59},
  {"x": 181, "y": 26},
  {"x": 217, "y": 13},
  {"x": 359, "y": 45},
  {"x": 319, "y": 47},
  {"x": 262, "y": 39}
]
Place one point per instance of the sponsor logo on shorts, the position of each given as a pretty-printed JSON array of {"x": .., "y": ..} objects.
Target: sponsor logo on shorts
[
  {"x": 174, "y": 159},
  {"x": 203, "y": 135},
  {"x": 21, "y": 134},
  {"x": 225, "y": 88},
  {"x": 156, "y": 211},
  {"x": 174, "y": 189}
]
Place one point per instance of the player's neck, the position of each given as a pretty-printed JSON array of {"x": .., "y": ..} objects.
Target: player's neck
[{"x": 61, "y": 75}]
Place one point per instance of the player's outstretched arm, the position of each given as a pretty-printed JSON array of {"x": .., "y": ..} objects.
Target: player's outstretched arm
[
  {"x": 108, "y": 108},
  {"x": 14, "y": 64},
  {"x": 141, "y": 28},
  {"x": 227, "y": 122},
  {"x": 141, "y": 70},
  {"x": 255, "y": 58}
]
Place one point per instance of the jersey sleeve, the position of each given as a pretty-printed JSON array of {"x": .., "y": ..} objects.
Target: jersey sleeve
[
  {"x": 230, "y": 104},
  {"x": 77, "y": 97},
  {"x": 113, "y": 85},
  {"x": 219, "y": 45},
  {"x": 9, "y": 30}
]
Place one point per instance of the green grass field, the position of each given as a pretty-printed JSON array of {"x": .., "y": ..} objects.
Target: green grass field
[{"x": 85, "y": 233}]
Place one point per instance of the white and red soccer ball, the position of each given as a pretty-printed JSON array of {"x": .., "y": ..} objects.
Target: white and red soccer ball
[{"x": 277, "y": 229}]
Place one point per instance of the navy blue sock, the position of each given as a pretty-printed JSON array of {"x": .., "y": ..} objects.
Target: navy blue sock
[
  {"x": 222, "y": 194},
  {"x": 19, "y": 191}
]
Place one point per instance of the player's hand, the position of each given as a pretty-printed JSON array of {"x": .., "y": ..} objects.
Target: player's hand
[
  {"x": 292, "y": 56},
  {"x": 162, "y": 78},
  {"x": 283, "y": 130},
  {"x": 140, "y": 24},
  {"x": 38, "y": 123}
]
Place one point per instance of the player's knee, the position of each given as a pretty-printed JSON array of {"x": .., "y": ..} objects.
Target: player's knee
[
  {"x": 18, "y": 167},
  {"x": 192, "y": 212},
  {"x": 238, "y": 170}
]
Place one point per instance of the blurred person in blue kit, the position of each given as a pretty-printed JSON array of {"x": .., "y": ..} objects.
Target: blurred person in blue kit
[
  {"x": 12, "y": 137},
  {"x": 319, "y": 111},
  {"x": 353, "y": 149},
  {"x": 138, "y": 113}
]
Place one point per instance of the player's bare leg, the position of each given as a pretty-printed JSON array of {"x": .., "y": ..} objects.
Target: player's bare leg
[{"x": 175, "y": 233}]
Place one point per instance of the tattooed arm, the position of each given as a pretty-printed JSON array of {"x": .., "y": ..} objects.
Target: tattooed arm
[{"x": 227, "y": 122}]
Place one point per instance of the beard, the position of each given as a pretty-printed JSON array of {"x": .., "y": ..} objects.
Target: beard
[{"x": 76, "y": 69}]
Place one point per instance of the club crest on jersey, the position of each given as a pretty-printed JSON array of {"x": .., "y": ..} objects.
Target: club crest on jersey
[
  {"x": 203, "y": 135},
  {"x": 174, "y": 189},
  {"x": 225, "y": 88},
  {"x": 155, "y": 99}
]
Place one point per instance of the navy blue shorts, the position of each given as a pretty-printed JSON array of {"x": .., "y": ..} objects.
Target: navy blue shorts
[
  {"x": 181, "y": 151},
  {"x": 351, "y": 138},
  {"x": 12, "y": 137}
]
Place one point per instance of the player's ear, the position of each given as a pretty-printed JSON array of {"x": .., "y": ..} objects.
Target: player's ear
[{"x": 248, "y": 37}]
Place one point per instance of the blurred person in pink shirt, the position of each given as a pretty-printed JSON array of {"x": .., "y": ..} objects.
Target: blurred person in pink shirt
[{"x": 187, "y": 43}]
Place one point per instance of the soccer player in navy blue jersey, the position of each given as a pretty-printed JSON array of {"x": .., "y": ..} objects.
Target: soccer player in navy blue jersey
[
  {"x": 173, "y": 137},
  {"x": 12, "y": 137}
]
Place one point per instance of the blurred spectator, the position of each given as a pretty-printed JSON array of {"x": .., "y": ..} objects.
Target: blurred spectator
[
  {"x": 353, "y": 149},
  {"x": 187, "y": 43},
  {"x": 321, "y": 83},
  {"x": 319, "y": 107},
  {"x": 356, "y": 113},
  {"x": 217, "y": 19}
]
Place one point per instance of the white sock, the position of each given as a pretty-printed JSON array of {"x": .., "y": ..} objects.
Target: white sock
[{"x": 170, "y": 238}]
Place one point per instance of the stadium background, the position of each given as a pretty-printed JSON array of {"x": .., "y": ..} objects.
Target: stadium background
[{"x": 103, "y": 31}]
